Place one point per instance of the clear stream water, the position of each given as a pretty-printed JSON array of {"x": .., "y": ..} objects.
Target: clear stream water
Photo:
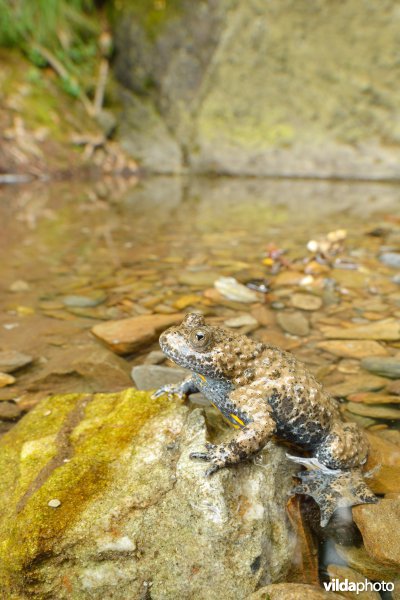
[{"x": 138, "y": 247}]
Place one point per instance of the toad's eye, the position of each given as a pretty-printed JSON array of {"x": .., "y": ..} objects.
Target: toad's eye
[{"x": 200, "y": 338}]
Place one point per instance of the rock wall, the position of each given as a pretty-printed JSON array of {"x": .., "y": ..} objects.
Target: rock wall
[{"x": 251, "y": 87}]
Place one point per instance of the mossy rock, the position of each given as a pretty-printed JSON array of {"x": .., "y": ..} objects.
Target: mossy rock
[{"x": 99, "y": 499}]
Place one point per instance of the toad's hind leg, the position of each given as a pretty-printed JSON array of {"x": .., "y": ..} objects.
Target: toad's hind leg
[
  {"x": 334, "y": 477},
  {"x": 344, "y": 447}
]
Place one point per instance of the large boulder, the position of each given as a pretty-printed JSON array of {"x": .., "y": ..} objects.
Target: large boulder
[
  {"x": 100, "y": 500},
  {"x": 261, "y": 88}
]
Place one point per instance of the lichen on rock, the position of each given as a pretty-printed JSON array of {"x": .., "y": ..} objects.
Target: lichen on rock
[{"x": 101, "y": 500}]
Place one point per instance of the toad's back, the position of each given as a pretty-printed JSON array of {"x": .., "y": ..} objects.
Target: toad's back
[{"x": 302, "y": 411}]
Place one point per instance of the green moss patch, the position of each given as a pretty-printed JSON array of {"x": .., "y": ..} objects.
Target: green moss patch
[{"x": 61, "y": 451}]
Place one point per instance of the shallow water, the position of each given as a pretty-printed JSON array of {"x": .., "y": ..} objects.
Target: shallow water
[{"x": 139, "y": 248}]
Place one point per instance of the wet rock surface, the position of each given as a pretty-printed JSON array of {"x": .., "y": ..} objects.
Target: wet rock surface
[{"x": 101, "y": 500}]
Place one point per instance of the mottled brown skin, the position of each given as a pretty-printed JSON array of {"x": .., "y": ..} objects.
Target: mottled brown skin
[{"x": 264, "y": 392}]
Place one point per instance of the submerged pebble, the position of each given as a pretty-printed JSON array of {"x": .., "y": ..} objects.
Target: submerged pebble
[
  {"x": 12, "y": 360},
  {"x": 9, "y": 411},
  {"x": 230, "y": 288},
  {"x": 241, "y": 321},
  {"x": 82, "y": 301},
  {"x": 374, "y": 411},
  {"x": 294, "y": 323},
  {"x": 306, "y": 301},
  {"x": 385, "y": 366},
  {"x": 6, "y": 379},
  {"x": 19, "y": 286},
  {"x": 391, "y": 259}
]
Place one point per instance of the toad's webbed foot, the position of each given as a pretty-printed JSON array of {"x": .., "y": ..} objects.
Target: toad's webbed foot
[
  {"x": 170, "y": 389},
  {"x": 216, "y": 455},
  {"x": 334, "y": 489},
  {"x": 182, "y": 389}
]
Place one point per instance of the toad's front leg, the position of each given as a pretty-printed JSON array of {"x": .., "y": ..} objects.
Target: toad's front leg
[
  {"x": 243, "y": 444},
  {"x": 182, "y": 389}
]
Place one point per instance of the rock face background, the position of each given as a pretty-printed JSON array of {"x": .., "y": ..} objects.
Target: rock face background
[
  {"x": 102, "y": 501},
  {"x": 261, "y": 88}
]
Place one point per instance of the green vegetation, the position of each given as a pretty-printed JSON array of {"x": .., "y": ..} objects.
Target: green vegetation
[{"x": 62, "y": 34}]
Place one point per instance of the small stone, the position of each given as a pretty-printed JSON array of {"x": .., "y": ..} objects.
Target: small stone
[
  {"x": 198, "y": 279},
  {"x": 263, "y": 315},
  {"x": 306, "y": 301},
  {"x": 189, "y": 300},
  {"x": 396, "y": 279},
  {"x": 230, "y": 288},
  {"x": 50, "y": 305},
  {"x": 128, "y": 335},
  {"x": 155, "y": 357},
  {"x": 294, "y": 323},
  {"x": 343, "y": 573},
  {"x": 353, "y": 348},
  {"x": 82, "y": 301},
  {"x": 164, "y": 309},
  {"x": 387, "y": 329},
  {"x": 19, "y": 286},
  {"x": 363, "y": 422},
  {"x": 377, "y": 398},
  {"x": 54, "y": 503},
  {"x": 9, "y": 411},
  {"x": 10, "y": 326},
  {"x": 348, "y": 366},
  {"x": 357, "y": 383},
  {"x": 12, "y": 360},
  {"x": 6, "y": 379},
  {"x": 385, "y": 366},
  {"x": 378, "y": 524},
  {"x": 394, "y": 387},
  {"x": 350, "y": 278},
  {"x": 287, "y": 278},
  {"x": 276, "y": 305},
  {"x": 358, "y": 559},
  {"x": 383, "y": 463},
  {"x": 391, "y": 259},
  {"x": 47, "y": 413},
  {"x": 373, "y": 411},
  {"x": 389, "y": 435},
  {"x": 151, "y": 377},
  {"x": 24, "y": 311},
  {"x": 241, "y": 321}
]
